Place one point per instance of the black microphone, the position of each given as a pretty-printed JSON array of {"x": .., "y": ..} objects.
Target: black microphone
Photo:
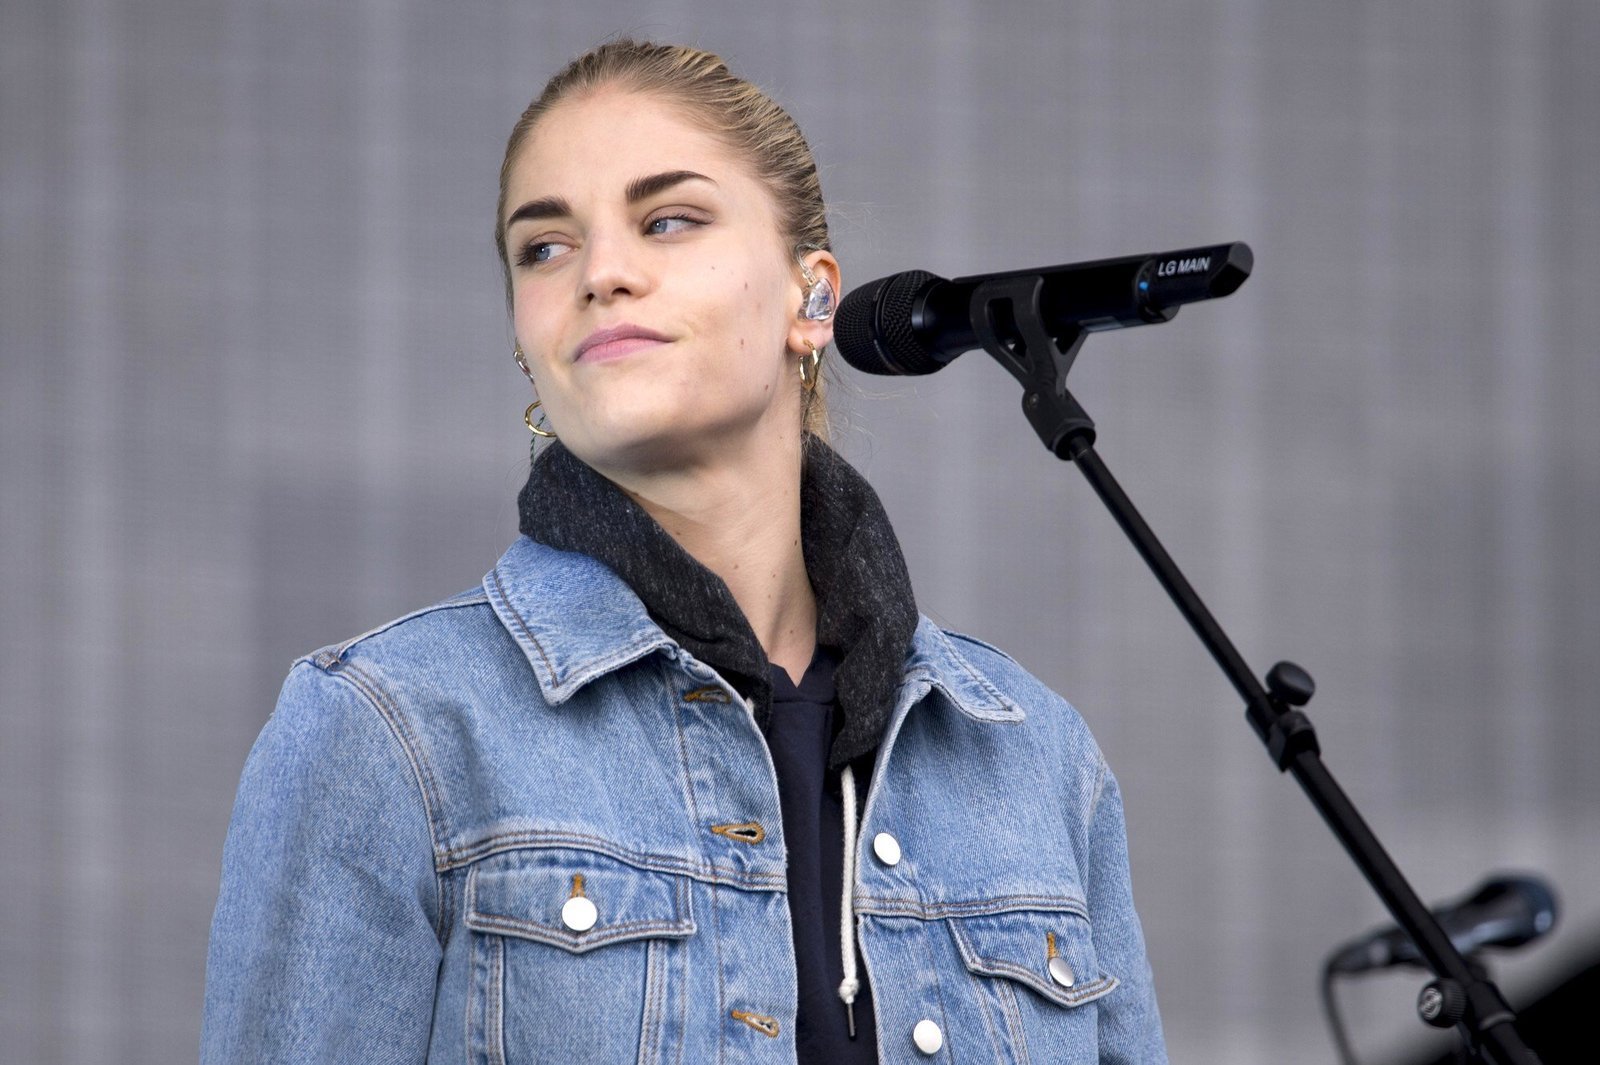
[
  {"x": 915, "y": 322},
  {"x": 1505, "y": 911}
]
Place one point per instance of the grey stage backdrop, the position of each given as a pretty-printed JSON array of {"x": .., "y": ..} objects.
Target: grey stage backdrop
[{"x": 256, "y": 396}]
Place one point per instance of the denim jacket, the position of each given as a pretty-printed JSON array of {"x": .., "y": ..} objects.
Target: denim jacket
[{"x": 523, "y": 825}]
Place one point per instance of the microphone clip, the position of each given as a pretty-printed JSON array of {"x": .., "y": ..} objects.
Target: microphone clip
[{"x": 1009, "y": 323}]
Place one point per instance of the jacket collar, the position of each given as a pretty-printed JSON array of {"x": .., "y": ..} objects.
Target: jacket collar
[
  {"x": 936, "y": 658},
  {"x": 865, "y": 606},
  {"x": 575, "y": 620}
]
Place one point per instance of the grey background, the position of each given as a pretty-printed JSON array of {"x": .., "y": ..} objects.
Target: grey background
[{"x": 256, "y": 396}]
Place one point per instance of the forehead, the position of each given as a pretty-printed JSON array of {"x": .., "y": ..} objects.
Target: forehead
[{"x": 593, "y": 145}]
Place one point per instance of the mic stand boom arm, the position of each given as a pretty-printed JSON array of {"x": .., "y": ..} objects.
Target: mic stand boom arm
[{"x": 1007, "y": 319}]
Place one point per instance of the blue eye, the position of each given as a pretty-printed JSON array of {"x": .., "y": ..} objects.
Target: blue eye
[
  {"x": 539, "y": 251},
  {"x": 664, "y": 225}
]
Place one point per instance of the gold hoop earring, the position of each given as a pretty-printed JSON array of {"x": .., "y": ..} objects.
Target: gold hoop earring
[
  {"x": 811, "y": 366},
  {"x": 536, "y": 427}
]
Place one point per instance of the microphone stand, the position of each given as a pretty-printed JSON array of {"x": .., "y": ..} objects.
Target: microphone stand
[{"x": 1007, "y": 319}]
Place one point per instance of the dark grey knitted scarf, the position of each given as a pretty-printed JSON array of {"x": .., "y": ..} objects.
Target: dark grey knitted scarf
[{"x": 864, "y": 603}]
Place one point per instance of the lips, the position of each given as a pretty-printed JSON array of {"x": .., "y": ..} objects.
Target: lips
[{"x": 616, "y": 341}]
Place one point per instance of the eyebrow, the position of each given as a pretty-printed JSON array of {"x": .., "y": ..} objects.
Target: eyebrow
[
  {"x": 546, "y": 207},
  {"x": 638, "y": 189},
  {"x": 642, "y": 188}
]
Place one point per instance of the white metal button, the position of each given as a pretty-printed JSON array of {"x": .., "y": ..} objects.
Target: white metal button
[
  {"x": 927, "y": 1036},
  {"x": 579, "y": 914},
  {"x": 887, "y": 848},
  {"x": 1061, "y": 972}
]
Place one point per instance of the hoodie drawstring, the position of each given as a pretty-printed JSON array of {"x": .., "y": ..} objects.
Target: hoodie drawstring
[{"x": 847, "y": 940}]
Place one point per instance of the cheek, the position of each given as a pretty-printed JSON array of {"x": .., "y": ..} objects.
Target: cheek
[
  {"x": 522, "y": 315},
  {"x": 760, "y": 320},
  {"x": 759, "y": 350},
  {"x": 533, "y": 331},
  {"x": 738, "y": 321}
]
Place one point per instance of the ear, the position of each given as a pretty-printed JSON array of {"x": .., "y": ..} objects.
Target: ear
[{"x": 825, "y": 268}]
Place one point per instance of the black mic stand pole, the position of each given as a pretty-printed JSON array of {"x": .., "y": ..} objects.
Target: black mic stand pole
[{"x": 1007, "y": 318}]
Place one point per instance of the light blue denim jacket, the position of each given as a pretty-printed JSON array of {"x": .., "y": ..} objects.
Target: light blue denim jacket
[{"x": 426, "y": 800}]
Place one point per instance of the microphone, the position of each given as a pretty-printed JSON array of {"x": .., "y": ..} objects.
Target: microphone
[
  {"x": 1505, "y": 911},
  {"x": 916, "y": 322}
]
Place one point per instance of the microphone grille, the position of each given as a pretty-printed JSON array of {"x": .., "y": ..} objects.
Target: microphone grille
[{"x": 873, "y": 328}]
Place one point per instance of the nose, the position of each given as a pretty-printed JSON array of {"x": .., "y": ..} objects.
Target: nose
[{"x": 613, "y": 268}]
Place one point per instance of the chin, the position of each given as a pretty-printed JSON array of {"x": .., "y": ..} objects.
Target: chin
[
  {"x": 639, "y": 443},
  {"x": 658, "y": 440}
]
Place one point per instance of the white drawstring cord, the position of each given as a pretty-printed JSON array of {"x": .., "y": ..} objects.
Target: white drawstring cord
[{"x": 847, "y": 940}]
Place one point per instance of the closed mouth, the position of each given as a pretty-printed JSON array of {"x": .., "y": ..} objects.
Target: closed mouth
[{"x": 611, "y": 341}]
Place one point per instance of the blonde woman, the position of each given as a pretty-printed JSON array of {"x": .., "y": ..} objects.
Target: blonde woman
[{"x": 687, "y": 778}]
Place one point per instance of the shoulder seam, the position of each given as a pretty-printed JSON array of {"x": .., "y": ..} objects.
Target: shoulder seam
[
  {"x": 1099, "y": 789},
  {"x": 368, "y": 689},
  {"x": 470, "y": 597}
]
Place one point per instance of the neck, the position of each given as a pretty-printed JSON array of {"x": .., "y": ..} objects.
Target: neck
[{"x": 739, "y": 517}]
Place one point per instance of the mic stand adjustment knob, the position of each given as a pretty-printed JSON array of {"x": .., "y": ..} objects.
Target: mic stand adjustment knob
[
  {"x": 1291, "y": 683},
  {"x": 1442, "y": 1003}
]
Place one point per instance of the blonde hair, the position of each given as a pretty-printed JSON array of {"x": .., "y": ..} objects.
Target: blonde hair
[{"x": 724, "y": 105}]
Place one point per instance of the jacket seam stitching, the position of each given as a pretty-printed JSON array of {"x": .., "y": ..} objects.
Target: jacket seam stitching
[
  {"x": 1027, "y": 977},
  {"x": 1092, "y": 810},
  {"x": 1013, "y": 1015},
  {"x": 522, "y": 627},
  {"x": 985, "y": 1010},
  {"x": 464, "y": 599},
  {"x": 986, "y": 907},
  {"x": 967, "y": 637},
  {"x": 422, "y": 773},
  {"x": 495, "y": 1025},
  {"x": 722, "y": 991},
  {"x": 683, "y": 750},
  {"x": 978, "y": 678},
  {"x": 633, "y": 648},
  {"x": 682, "y": 999},
  {"x": 543, "y": 933},
  {"x": 652, "y": 1002},
  {"x": 461, "y": 856},
  {"x": 926, "y": 942}
]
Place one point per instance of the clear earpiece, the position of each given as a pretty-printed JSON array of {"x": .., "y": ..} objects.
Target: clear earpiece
[{"x": 819, "y": 299}]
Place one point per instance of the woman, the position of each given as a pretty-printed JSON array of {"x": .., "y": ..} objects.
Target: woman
[{"x": 687, "y": 779}]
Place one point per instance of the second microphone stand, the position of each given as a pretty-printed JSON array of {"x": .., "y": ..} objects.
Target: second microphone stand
[{"x": 1006, "y": 315}]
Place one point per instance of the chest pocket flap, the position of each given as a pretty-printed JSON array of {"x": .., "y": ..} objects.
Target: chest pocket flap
[
  {"x": 534, "y": 894},
  {"x": 1050, "y": 951}
]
